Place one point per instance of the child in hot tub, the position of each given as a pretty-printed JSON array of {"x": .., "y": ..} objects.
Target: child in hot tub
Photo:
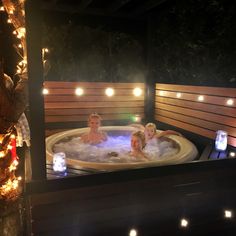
[
  {"x": 94, "y": 136},
  {"x": 137, "y": 145},
  {"x": 152, "y": 135}
]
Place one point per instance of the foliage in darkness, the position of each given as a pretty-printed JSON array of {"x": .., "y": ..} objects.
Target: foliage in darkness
[
  {"x": 82, "y": 53},
  {"x": 194, "y": 42}
]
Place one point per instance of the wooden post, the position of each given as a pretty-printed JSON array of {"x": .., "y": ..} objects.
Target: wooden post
[
  {"x": 35, "y": 77},
  {"x": 150, "y": 82}
]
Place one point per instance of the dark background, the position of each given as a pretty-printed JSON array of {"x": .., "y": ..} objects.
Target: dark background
[{"x": 182, "y": 42}]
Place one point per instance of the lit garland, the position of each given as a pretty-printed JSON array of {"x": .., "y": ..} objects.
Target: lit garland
[{"x": 9, "y": 183}]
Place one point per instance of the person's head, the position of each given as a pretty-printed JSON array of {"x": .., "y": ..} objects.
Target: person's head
[
  {"x": 137, "y": 140},
  {"x": 94, "y": 121},
  {"x": 150, "y": 130}
]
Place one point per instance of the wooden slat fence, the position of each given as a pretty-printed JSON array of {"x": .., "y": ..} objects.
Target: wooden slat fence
[
  {"x": 198, "y": 109},
  {"x": 63, "y": 106}
]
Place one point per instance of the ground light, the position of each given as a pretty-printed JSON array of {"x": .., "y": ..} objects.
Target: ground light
[
  {"x": 133, "y": 232},
  {"x": 109, "y": 92},
  {"x": 45, "y": 91},
  {"x": 184, "y": 223},
  {"x": 79, "y": 91},
  {"x": 228, "y": 214}
]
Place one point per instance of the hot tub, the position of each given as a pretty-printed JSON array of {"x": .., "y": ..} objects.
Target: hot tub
[{"x": 185, "y": 150}]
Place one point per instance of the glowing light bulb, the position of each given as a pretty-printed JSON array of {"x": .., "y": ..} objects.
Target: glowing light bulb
[
  {"x": 232, "y": 154},
  {"x": 178, "y": 95},
  {"x": 2, "y": 8},
  {"x": 109, "y": 92},
  {"x": 133, "y": 232},
  {"x": 137, "y": 92},
  {"x": 9, "y": 21},
  {"x": 19, "y": 45},
  {"x": 79, "y": 91},
  {"x": 45, "y": 91},
  {"x": 230, "y": 102},
  {"x": 228, "y": 214},
  {"x": 184, "y": 223},
  {"x": 200, "y": 98}
]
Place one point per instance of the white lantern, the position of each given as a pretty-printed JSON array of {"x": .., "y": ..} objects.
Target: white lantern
[
  {"x": 59, "y": 162},
  {"x": 221, "y": 140}
]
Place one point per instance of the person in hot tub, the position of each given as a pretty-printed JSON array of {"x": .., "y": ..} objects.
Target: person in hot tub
[
  {"x": 137, "y": 145},
  {"x": 94, "y": 136},
  {"x": 151, "y": 133}
]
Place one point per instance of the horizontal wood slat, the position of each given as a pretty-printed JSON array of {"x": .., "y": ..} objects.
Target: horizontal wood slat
[
  {"x": 194, "y": 97},
  {"x": 199, "y": 106},
  {"x": 196, "y": 121},
  {"x": 198, "y": 89},
  {"x": 178, "y": 105},
  {"x": 90, "y": 91},
  {"x": 62, "y": 105},
  {"x": 192, "y": 128},
  {"x": 102, "y": 98},
  {"x": 72, "y": 85},
  {"x": 72, "y": 118},
  {"x": 221, "y": 119},
  {"x": 94, "y": 104}
]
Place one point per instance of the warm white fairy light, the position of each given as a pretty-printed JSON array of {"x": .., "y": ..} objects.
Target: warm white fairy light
[
  {"x": 19, "y": 45},
  {"x": 137, "y": 92},
  {"x": 178, "y": 95},
  {"x": 11, "y": 12},
  {"x": 9, "y": 21},
  {"x": 45, "y": 91},
  {"x": 2, "y": 154},
  {"x": 79, "y": 91},
  {"x": 230, "y": 102},
  {"x": 13, "y": 165},
  {"x": 109, "y": 92},
  {"x": 200, "y": 98},
  {"x": 2, "y": 8}
]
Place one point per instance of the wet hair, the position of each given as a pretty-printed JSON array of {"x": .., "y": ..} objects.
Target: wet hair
[
  {"x": 151, "y": 125},
  {"x": 141, "y": 136},
  {"x": 94, "y": 115}
]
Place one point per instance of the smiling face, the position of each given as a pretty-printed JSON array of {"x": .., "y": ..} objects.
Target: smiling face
[
  {"x": 94, "y": 123},
  {"x": 149, "y": 132},
  {"x": 136, "y": 143}
]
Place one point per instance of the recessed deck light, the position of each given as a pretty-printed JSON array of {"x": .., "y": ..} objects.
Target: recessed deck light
[
  {"x": 79, "y": 91},
  {"x": 137, "y": 92},
  {"x": 109, "y": 92},
  {"x": 45, "y": 91},
  {"x": 200, "y": 98},
  {"x": 184, "y": 223}
]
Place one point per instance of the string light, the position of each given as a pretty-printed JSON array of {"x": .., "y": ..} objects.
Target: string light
[{"x": 2, "y": 8}]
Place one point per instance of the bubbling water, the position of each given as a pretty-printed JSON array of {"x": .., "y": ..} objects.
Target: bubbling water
[{"x": 115, "y": 150}]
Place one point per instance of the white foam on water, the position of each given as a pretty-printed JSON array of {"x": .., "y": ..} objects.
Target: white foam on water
[{"x": 115, "y": 150}]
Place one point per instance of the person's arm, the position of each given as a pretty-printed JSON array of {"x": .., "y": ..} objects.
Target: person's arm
[{"x": 167, "y": 132}]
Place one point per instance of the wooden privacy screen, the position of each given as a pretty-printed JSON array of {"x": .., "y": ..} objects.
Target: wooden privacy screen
[
  {"x": 62, "y": 105},
  {"x": 198, "y": 109}
]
